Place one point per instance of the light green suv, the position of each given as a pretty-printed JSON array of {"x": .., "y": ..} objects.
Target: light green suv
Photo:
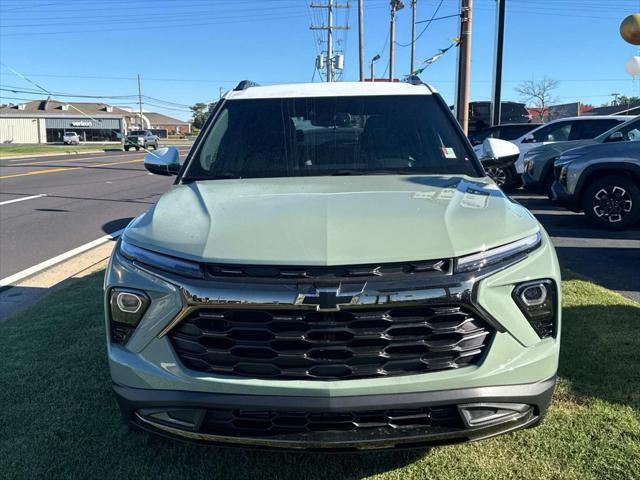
[{"x": 332, "y": 270}]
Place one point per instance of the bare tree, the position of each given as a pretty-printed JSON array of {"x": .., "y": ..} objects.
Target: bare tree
[{"x": 538, "y": 94}]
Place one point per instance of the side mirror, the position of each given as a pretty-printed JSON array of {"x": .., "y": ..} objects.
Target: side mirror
[
  {"x": 529, "y": 139},
  {"x": 164, "y": 161},
  {"x": 616, "y": 137},
  {"x": 497, "y": 152}
]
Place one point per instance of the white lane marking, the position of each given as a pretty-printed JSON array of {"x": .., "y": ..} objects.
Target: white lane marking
[
  {"x": 58, "y": 259},
  {"x": 7, "y": 202}
]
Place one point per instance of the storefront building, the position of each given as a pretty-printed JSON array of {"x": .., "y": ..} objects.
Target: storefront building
[{"x": 46, "y": 121}]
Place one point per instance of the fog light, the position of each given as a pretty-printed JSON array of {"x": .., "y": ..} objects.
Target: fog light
[
  {"x": 127, "y": 308},
  {"x": 537, "y": 301},
  {"x": 534, "y": 294},
  {"x": 128, "y": 302}
]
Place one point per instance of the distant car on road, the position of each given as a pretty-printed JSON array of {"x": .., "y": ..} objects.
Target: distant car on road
[
  {"x": 538, "y": 162},
  {"x": 602, "y": 180},
  {"x": 507, "y": 179},
  {"x": 141, "y": 138},
  {"x": 71, "y": 138}
]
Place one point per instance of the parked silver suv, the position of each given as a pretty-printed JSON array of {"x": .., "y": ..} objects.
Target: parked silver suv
[{"x": 603, "y": 180}]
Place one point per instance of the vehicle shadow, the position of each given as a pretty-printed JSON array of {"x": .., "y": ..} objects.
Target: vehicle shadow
[
  {"x": 115, "y": 225},
  {"x": 599, "y": 354}
]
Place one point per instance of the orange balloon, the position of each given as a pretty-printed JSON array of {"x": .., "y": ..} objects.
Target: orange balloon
[{"x": 630, "y": 29}]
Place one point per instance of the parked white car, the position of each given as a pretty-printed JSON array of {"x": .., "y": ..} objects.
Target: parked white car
[
  {"x": 71, "y": 138},
  {"x": 562, "y": 130}
]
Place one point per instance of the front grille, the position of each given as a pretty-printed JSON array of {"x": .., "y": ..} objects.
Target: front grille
[
  {"x": 347, "y": 344},
  {"x": 265, "y": 423},
  {"x": 325, "y": 273}
]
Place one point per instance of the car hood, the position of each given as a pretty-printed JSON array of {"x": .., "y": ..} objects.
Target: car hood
[
  {"x": 330, "y": 220},
  {"x": 550, "y": 150}
]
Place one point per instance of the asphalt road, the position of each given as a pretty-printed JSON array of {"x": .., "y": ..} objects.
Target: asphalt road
[
  {"x": 67, "y": 201},
  {"x": 84, "y": 197}
]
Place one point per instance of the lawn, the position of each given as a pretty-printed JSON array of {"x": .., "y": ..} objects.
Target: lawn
[
  {"x": 11, "y": 150},
  {"x": 59, "y": 418}
]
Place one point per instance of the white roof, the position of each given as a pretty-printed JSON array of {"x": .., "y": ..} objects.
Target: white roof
[{"x": 330, "y": 89}]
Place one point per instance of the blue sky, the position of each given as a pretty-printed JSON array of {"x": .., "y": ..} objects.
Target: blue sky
[{"x": 185, "y": 50}]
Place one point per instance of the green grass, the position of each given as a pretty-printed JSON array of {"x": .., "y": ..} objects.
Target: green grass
[
  {"x": 10, "y": 150},
  {"x": 59, "y": 418}
]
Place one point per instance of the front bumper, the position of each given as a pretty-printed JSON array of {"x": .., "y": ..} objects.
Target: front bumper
[
  {"x": 560, "y": 196},
  {"x": 482, "y": 412},
  {"x": 531, "y": 183}
]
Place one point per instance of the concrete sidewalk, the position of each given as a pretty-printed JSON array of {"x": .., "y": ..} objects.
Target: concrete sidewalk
[{"x": 15, "y": 298}]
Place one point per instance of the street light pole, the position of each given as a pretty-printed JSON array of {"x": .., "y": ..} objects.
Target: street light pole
[
  {"x": 361, "y": 38},
  {"x": 413, "y": 34},
  {"x": 395, "y": 6},
  {"x": 374, "y": 60},
  {"x": 140, "y": 103}
]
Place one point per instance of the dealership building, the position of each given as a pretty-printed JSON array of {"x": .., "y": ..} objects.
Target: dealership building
[{"x": 46, "y": 121}]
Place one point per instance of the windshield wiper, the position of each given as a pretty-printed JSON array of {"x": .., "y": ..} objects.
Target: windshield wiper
[
  {"x": 370, "y": 172},
  {"x": 217, "y": 176}
]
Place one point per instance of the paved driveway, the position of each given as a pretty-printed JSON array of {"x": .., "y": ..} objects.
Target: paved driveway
[{"x": 611, "y": 259}]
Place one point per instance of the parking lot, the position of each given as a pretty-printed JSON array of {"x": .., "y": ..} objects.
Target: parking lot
[{"x": 609, "y": 258}]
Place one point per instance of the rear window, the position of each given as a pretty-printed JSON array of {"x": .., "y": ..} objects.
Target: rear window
[{"x": 362, "y": 135}]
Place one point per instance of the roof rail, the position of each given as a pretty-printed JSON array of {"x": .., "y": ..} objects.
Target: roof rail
[{"x": 244, "y": 84}]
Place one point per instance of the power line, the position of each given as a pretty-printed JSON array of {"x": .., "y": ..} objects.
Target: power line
[{"x": 426, "y": 26}]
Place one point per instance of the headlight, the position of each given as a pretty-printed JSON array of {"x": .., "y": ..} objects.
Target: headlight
[
  {"x": 528, "y": 166},
  {"x": 503, "y": 253},
  {"x": 537, "y": 301},
  {"x": 565, "y": 159},
  {"x": 141, "y": 139},
  {"x": 162, "y": 262}
]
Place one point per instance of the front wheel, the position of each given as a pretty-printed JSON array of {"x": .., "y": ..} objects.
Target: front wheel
[
  {"x": 137, "y": 149},
  {"x": 503, "y": 177},
  {"x": 612, "y": 202}
]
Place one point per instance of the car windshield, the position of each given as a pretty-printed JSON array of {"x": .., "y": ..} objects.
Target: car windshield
[
  {"x": 137, "y": 132},
  {"x": 292, "y": 137},
  {"x": 630, "y": 131},
  {"x": 70, "y": 133}
]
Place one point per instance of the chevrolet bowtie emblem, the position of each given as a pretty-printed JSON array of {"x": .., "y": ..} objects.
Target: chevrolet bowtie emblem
[{"x": 329, "y": 299}]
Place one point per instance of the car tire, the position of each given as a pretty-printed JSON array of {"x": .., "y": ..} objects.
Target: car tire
[
  {"x": 137, "y": 149},
  {"x": 126, "y": 148},
  {"x": 612, "y": 202},
  {"x": 503, "y": 177}
]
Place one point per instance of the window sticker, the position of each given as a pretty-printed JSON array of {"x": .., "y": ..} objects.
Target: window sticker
[
  {"x": 475, "y": 198},
  {"x": 448, "y": 152}
]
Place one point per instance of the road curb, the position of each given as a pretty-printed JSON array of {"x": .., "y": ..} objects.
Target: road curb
[{"x": 22, "y": 294}]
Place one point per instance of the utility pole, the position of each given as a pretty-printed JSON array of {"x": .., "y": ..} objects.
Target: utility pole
[
  {"x": 496, "y": 97},
  {"x": 413, "y": 34},
  {"x": 395, "y": 6},
  {"x": 221, "y": 89},
  {"x": 140, "y": 103},
  {"x": 361, "y": 38},
  {"x": 464, "y": 65},
  {"x": 330, "y": 27}
]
